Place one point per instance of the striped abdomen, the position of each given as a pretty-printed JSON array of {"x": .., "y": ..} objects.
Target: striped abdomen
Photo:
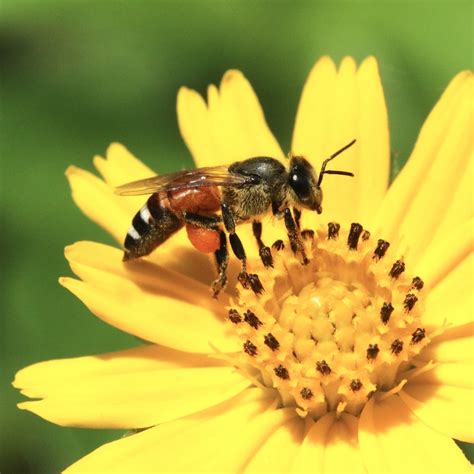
[
  {"x": 162, "y": 216},
  {"x": 154, "y": 223}
]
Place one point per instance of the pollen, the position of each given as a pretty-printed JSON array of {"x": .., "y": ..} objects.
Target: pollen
[{"x": 327, "y": 335}]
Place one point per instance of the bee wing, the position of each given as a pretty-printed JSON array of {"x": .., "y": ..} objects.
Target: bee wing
[{"x": 198, "y": 178}]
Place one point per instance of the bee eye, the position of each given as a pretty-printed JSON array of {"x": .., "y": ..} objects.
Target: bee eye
[{"x": 300, "y": 181}]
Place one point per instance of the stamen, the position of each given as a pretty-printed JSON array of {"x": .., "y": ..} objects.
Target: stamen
[
  {"x": 307, "y": 234},
  {"x": 250, "y": 348},
  {"x": 381, "y": 249},
  {"x": 251, "y": 280},
  {"x": 397, "y": 269},
  {"x": 354, "y": 234},
  {"x": 271, "y": 341},
  {"x": 278, "y": 245},
  {"x": 306, "y": 393},
  {"x": 409, "y": 302},
  {"x": 372, "y": 351},
  {"x": 333, "y": 230},
  {"x": 234, "y": 316},
  {"x": 418, "y": 335},
  {"x": 252, "y": 319},
  {"x": 266, "y": 256},
  {"x": 356, "y": 385},
  {"x": 397, "y": 346},
  {"x": 323, "y": 367},
  {"x": 417, "y": 283},
  {"x": 385, "y": 312},
  {"x": 281, "y": 372},
  {"x": 328, "y": 335}
]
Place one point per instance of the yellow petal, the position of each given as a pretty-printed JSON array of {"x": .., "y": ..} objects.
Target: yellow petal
[
  {"x": 130, "y": 399},
  {"x": 218, "y": 440},
  {"x": 461, "y": 206},
  {"x": 451, "y": 301},
  {"x": 424, "y": 189},
  {"x": 98, "y": 202},
  {"x": 443, "y": 399},
  {"x": 153, "y": 317},
  {"x": 121, "y": 166},
  {"x": 330, "y": 446},
  {"x": 335, "y": 108},
  {"x": 279, "y": 450},
  {"x": 393, "y": 440},
  {"x": 231, "y": 128},
  {"x": 147, "y": 275},
  {"x": 194, "y": 125},
  {"x": 139, "y": 359},
  {"x": 446, "y": 252},
  {"x": 458, "y": 349}
]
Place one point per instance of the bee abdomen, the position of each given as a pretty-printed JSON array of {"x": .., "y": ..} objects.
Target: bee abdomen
[{"x": 152, "y": 225}]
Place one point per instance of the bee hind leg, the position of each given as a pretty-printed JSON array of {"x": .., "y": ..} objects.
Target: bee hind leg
[
  {"x": 264, "y": 251},
  {"x": 222, "y": 260},
  {"x": 247, "y": 280}
]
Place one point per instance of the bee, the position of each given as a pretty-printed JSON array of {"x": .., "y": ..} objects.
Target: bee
[{"x": 210, "y": 202}]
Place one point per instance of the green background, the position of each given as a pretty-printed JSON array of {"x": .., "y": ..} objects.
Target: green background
[{"x": 78, "y": 75}]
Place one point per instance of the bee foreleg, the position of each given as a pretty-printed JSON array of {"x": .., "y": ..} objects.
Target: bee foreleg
[
  {"x": 247, "y": 280},
  {"x": 264, "y": 251},
  {"x": 294, "y": 236},
  {"x": 297, "y": 214},
  {"x": 222, "y": 260}
]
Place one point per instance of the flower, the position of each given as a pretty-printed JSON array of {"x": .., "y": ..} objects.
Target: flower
[{"x": 359, "y": 361}]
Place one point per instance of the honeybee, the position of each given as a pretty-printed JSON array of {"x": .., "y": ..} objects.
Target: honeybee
[{"x": 210, "y": 202}]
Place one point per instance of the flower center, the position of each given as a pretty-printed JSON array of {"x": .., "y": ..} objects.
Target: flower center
[{"x": 328, "y": 334}]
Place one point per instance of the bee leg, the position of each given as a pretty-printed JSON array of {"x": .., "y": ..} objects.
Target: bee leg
[
  {"x": 294, "y": 236},
  {"x": 222, "y": 260},
  {"x": 206, "y": 222},
  {"x": 247, "y": 280},
  {"x": 264, "y": 251},
  {"x": 297, "y": 214}
]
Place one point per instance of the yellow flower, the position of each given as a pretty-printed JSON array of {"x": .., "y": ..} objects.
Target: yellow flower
[{"x": 360, "y": 361}]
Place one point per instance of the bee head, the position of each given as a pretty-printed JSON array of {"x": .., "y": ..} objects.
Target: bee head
[
  {"x": 304, "y": 182},
  {"x": 306, "y": 185}
]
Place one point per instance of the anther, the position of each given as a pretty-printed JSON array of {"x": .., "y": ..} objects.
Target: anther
[
  {"x": 396, "y": 347},
  {"x": 333, "y": 230},
  {"x": 409, "y": 302},
  {"x": 271, "y": 341},
  {"x": 307, "y": 234},
  {"x": 278, "y": 245},
  {"x": 251, "y": 318},
  {"x": 365, "y": 235},
  {"x": 356, "y": 385},
  {"x": 381, "y": 249},
  {"x": 249, "y": 348},
  {"x": 417, "y": 283},
  {"x": 354, "y": 234},
  {"x": 397, "y": 269},
  {"x": 418, "y": 335},
  {"x": 234, "y": 316},
  {"x": 266, "y": 256},
  {"x": 372, "y": 351},
  {"x": 306, "y": 393},
  {"x": 386, "y": 312},
  {"x": 281, "y": 372},
  {"x": 323, "y": 367},
  {"x": 251, "y": 280}
]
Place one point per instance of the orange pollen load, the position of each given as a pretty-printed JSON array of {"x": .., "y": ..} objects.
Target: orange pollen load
[{"x": 327, "y": 335}]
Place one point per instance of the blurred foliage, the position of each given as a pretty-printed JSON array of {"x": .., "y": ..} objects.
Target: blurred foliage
[{"x": 77, "y": 75}]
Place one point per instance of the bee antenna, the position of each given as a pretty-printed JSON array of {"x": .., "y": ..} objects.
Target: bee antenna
[{"x": 327, "y": 160}]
